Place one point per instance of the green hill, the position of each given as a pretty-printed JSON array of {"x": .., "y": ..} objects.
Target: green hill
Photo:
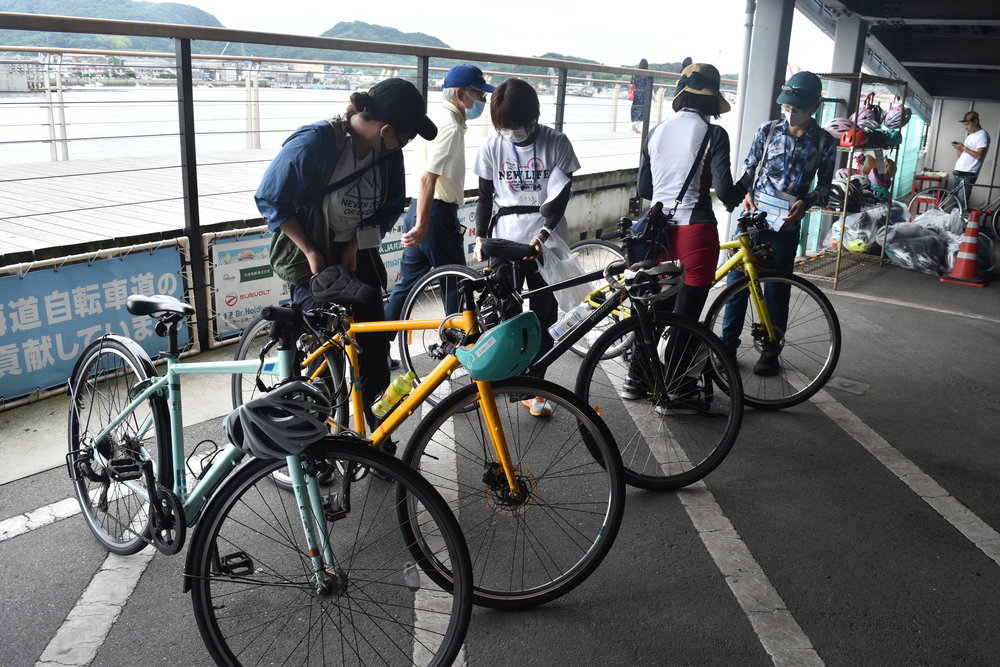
[
  {"x": 123, "y": 10},
  {"x": 171, "y": 12}
]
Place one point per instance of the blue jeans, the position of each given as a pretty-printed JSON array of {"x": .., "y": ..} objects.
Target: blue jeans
[
  {"x": 965, "y": 179},
  {"x": 442, "y": 244},
  {"x": 785, "y": 244}
]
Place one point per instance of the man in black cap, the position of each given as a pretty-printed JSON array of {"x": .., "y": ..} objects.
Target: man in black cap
[
  {"x": 334, "y": 189},
  {"x": 970, "y": 153}
]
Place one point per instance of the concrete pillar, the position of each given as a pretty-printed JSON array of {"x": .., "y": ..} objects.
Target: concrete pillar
[
  {"x": 848, "y": 53},
  {"x": 768, "y": 68}
]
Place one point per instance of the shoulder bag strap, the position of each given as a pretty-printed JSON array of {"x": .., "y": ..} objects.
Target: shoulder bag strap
[
  {"x": 705, "y": 141},
  {"x": 763, "y": 156}
]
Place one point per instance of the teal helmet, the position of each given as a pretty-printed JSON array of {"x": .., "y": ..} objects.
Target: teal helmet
[
  {"x": 895, "y": 137},
  {"x": 503, "y": 351},
  {"x": 880, "y": 192}
]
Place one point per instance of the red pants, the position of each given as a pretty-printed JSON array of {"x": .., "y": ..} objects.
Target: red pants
[{"x": 697, "y": 247}]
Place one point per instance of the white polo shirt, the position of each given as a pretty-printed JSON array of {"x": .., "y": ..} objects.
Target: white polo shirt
[{"x": 445, "y": 156}]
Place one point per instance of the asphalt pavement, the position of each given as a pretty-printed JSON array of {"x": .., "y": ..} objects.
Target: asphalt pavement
[{"x": 859, "y": 528}]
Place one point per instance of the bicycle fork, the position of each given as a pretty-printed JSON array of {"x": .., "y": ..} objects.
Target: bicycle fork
[{"x": 327, "y": 577}]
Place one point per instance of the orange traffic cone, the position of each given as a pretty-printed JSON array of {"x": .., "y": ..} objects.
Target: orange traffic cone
[{"x": 966, "y": 269}]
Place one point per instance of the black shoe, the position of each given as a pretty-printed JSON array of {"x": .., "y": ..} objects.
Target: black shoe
[
  {"x": 394, "y": 364},
  {"x": 767, "y": 365}
]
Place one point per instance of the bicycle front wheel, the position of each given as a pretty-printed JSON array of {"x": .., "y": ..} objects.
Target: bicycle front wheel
[
  {"x": 808, "y": 347},
  {"x": 675, "y": 412},
  {"x": 594, "y": 255},
  {"x": 433, "y": 297},
  {"x": 116, "y": 509},
  {"x": 534, "y": 548},
  {"x": 253, "y": 583},
  {"x": 930, "y": 198}
]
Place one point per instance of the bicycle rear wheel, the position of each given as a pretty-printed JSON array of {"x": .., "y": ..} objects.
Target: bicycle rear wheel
[
  {"x": 529, "y": 550},
  {"x": 244, "y": 385},
  {"x": 253, "y": 587},
  {"x": 809, "y": 346},
  {"x": 664, "y": 447},
  {"x": 595, "y": 255},
  {"x": 431, "y": 298},
  {"x": 116, "y": 510},
  {"x": 930, "y": 198}
]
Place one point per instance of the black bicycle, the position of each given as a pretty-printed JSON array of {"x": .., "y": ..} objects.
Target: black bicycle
[{"x": 663, "y": 382}]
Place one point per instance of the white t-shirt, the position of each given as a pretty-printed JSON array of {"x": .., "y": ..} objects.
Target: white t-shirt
[
  {"x": 974, "y": 142},
  {"x": 354, "y": 202},
  {"x": 521, "y": 176},
  {"x": 672, "y": 147},
  {"x": 445, "y": 156}
]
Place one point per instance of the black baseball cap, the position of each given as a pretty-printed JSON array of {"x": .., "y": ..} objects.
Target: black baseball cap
[
  {"x": 399, "y": 103},
  {"x": 969, "y": 116}
]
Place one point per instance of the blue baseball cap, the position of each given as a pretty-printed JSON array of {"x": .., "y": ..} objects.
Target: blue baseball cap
[{"x": 466, "y": 76}]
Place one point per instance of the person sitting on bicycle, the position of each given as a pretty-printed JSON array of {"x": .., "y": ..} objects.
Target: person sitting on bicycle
[
  {"x": 785, "y": 155},
  {"x": 666, "y": 162},
  {"x": 315, "y": 226},
  {"x": 524, "y": 167}
]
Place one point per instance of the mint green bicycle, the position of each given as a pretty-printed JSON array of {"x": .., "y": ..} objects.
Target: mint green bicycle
[{"x": 325, "y": 573}]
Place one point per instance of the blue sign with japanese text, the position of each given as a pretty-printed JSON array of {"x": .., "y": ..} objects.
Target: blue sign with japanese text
[{"x": 48, "y": 316}]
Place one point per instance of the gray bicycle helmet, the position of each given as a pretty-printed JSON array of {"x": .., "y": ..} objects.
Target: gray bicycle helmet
[
  {"x": 282, "y": 422},
  {"x": 652, "y": 281}
]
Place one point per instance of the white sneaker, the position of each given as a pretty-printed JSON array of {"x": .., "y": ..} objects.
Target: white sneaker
[{"x": 539, "y": 407}]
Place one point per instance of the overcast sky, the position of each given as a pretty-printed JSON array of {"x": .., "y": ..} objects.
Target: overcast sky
[{"x": 708, "y": 30}]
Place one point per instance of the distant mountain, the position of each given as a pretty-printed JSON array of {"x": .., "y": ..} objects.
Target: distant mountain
[
  {"x": 171, "y": 12},
  {"x": 124, "y": 10}
]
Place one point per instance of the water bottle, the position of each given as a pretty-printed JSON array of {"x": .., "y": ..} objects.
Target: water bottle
[
  {"x": 569, "y": 320},
  {"x": 396, "y": 390}
]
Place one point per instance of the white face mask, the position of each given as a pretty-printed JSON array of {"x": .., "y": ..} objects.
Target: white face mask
[
  {"x": 517, "y": 135},
  {"x": 795, "y": 117}
]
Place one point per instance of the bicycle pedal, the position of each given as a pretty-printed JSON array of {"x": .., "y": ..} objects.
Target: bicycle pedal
[
  {"x": 333, "y": 509},
  {"x": 237, "y": 564},
  {"x": 125, "y": 469}
]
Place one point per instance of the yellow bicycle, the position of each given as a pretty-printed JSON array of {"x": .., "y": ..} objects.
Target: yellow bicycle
[
  {"x": 805, "y": 336},
  {"x": 539, "y": 500}
]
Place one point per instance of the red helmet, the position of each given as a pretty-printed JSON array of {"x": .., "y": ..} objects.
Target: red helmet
[{"x": 854, "y": 137}]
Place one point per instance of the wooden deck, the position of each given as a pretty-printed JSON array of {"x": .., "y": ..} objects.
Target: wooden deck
[
  {"x": 52, "y": 204},
  {"x": 55, "y": 204}
]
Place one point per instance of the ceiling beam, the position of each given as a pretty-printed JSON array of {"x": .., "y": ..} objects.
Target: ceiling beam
[
  {"x": 925, "y": 12},
  {"x": 957, "y": 49}
]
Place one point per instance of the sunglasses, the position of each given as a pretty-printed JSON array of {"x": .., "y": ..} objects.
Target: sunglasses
[{"x": 792, "y": 90}]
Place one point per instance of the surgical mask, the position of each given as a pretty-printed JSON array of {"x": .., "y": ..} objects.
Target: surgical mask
[
  {"x": 517, "y": 135},
  {"x": 795, "y": 117},
  {"x": 476, "y": 111}
]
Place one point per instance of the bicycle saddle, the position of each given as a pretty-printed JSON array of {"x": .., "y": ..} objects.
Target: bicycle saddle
[
  {"x": 157, "y": 305},
  {"x": 505, "y": 249},
  {"x": 336, "y": 284}
]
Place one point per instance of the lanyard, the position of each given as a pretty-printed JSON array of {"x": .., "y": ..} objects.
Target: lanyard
[{"x": 534, "y": 161}]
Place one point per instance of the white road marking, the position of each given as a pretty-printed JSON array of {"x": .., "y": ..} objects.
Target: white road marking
[
  {"x": 82, "y": 634},
  {"x": 43, "y": 516},
  {"x": 776, "y": 628},
  {"x": 432, "y": 606},
  {"x": 917, "y": 306},
  {"x": 951, "y": 510}
]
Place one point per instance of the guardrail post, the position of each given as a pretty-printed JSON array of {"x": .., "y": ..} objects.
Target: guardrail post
[
  {"x": 189, "y": 181},
  {"x": 423, "y": 75},
  {"x": 647, "y": 107},
  {"x": 561, "y": 99}
]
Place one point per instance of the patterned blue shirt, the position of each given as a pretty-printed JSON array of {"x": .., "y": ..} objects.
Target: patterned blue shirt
[{"x": 792, "y": 162}]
